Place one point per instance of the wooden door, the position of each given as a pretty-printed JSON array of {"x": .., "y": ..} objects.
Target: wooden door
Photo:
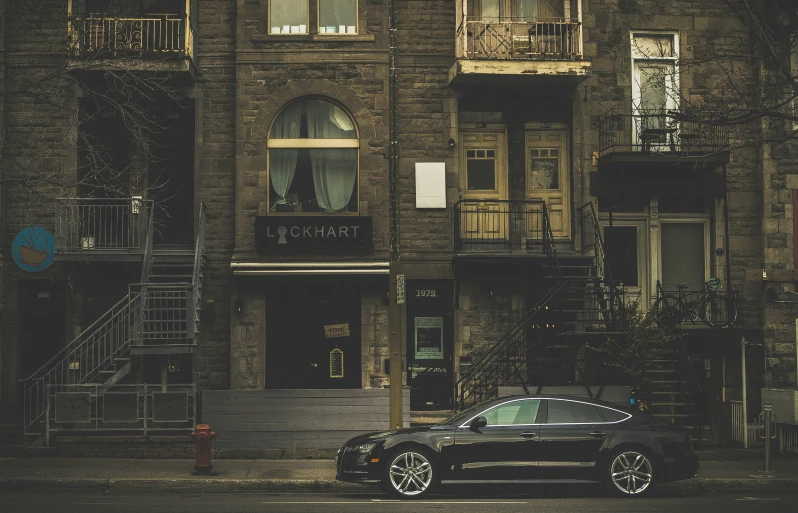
[
  {"x": 484, "y": 212},
  {"x": 548, "y": 179}
]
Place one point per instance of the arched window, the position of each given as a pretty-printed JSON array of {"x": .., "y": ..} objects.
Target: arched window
[{"x": 313, "y": 159}]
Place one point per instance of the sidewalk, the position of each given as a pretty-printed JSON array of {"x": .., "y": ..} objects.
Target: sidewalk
[{"x": 721, "y": 470}]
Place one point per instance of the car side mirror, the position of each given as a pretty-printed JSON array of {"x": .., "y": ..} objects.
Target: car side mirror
[{"x": 478, "y": 423}]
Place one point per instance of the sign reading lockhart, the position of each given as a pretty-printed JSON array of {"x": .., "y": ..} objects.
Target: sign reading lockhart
[
  {"x": 304, "y": 234},
  {"x": 429, "y": 338}
]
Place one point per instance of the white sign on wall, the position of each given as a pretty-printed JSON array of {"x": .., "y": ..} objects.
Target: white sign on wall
[{"x": 430, "y": 185}]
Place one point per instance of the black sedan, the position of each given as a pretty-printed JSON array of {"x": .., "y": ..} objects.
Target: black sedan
[{"x": 525, "y": 438}]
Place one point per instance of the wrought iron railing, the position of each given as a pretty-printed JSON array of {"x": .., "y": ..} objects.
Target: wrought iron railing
[
  {"x": 502, "y": 226},
  {"x": 689, "y": 307},
  {"x": 641, "y": 130},
  {"x": 110, "y": 225},
  {"x": 155, "y": 34},
  {"x": 504, "y": 363},
  {"x": 509, "y": 38}
]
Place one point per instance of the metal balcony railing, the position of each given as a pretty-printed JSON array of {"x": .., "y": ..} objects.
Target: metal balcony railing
[
  {"x": 721, "y": 308},
  {"x": 155, "y": 34},
  {"x": 558, "y": 39},
  {"x": 660, "y": 131},
  {"x": 110, "y": 225},
  {"x": 502, "y": 226}
]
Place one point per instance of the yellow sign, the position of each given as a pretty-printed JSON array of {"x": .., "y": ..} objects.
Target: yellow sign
[
  {"x": 336, "y": 330},
  {"x": 336, "y": 363}
]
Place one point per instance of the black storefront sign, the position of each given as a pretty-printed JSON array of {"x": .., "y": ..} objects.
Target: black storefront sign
[{"x": 304, "y": 234}]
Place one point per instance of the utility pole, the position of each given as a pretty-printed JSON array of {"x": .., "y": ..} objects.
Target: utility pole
[{"x": 395, "y": 312}]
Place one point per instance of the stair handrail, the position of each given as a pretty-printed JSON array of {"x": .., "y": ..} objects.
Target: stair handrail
[
  {"x": 487, "y": 359},
  {"x": 599, "y": 254},
  {"x": 146, "y": 263},
  {"x": 55, "y": 371},
  {"x": 196, "y": 279},
  {"x": 103, "y": 319},
  {"x": 550, "y": 242}
]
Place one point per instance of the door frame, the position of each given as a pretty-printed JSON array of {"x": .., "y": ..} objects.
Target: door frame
[
  {"x": 564, "y": 172},
  {"x": 643, "y": 259}
]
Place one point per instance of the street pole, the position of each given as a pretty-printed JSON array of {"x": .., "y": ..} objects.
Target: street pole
[
  {"x": 745, "y": 398},
  {"x": 395, "y": 310}
]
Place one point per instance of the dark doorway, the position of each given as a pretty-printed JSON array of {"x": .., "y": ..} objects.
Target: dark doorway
[
  {"x": 171, "y": 174},
  {"x": 41, "y": 332},
  {"x": 430, "y": 340},
  {"x": 307, "y": 320},
  {"x": 621, "y": 258}
]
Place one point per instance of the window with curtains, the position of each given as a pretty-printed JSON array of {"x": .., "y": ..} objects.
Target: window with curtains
[
  {"x": 299, "y": 16},
  {"x": 313, "y": 159}
]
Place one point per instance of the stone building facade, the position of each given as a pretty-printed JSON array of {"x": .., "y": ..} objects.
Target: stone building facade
[{"x": 513, "y": 116}]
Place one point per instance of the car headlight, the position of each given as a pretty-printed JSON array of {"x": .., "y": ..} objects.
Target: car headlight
[{"x": 363, "y": 448}]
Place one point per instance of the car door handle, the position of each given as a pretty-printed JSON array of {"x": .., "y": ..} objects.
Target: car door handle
[
  {"x": 597, "y": 433},
  {"x": 528, "y": 434}
]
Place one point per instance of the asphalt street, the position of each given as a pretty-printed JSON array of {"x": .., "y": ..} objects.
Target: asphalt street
[{"x": 494, "y": 500}]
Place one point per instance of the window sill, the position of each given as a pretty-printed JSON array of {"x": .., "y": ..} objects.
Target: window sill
[{"x": 273, "y": 38}]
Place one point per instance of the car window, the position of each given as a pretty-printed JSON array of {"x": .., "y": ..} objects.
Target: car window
[
  {"x": 572, "y": 412},
  {"x": 611, "y": 415},
  {"x": 515, "y": 412}
]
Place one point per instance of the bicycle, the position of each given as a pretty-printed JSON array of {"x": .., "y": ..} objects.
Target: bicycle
[{"x": 714, "y": 309}]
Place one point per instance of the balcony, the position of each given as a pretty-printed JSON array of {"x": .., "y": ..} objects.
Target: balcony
[
  {"x": 150, "y": 41},
  {"x": 698, "y": 309},
  {"x": 491, "y": 229},
  {"x": 101, "y": 229},
  {"x": 660, "y": 151},
  {"x": 544, "y": 51}
]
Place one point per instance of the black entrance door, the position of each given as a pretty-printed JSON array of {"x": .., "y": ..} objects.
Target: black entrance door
[
  {"x": 430, "y": 338},
  {"x": 42, "y": 323},
  {"x": 171, "y": 174},
  {"x": 313, "y": 334}
]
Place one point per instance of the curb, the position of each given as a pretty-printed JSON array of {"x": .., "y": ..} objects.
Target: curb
[{"x": 216, "y": 485}]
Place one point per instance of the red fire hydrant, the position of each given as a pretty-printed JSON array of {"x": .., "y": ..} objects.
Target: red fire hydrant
[{"x": 202, "y": 434}]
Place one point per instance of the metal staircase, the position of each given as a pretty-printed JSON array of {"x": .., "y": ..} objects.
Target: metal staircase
[
  {"x": 547, "y": 345},
  {"x": 155, "y": 317}
]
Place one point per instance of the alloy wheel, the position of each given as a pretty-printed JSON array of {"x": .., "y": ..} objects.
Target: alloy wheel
[
  {"x": 410, "y": 474},
  {"x": 631, "y": 473}
]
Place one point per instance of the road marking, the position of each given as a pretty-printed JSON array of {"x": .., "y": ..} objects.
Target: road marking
[
  {"x": 396, "y": 501},
  {"x": 756, "y": 499}
]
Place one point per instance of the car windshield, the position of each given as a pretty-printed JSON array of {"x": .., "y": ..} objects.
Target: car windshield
[{"x": 466, "y": 414}]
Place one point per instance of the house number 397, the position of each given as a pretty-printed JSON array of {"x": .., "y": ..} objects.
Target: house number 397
[{"x": 426, "y": 293}]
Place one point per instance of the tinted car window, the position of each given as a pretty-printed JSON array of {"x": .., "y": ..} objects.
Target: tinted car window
[
  {"x": 516, "y": 412},
  {"x": 571, "y": 412},
  {"x": 611, "y": 415}
]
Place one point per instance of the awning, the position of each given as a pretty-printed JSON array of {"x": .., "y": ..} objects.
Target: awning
[{"x": 288, "y": 268}]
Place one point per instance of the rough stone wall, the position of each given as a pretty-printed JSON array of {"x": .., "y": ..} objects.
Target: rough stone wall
[
  {"x": 38, "y": 142},
  {"x": 427, "y": 119},
  {"x": 486, "y": 313},
  {"x": 704, "y": 28},
  {"x": 215, "y": 183}
]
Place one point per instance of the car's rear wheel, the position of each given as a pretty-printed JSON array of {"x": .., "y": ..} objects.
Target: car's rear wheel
[
  {"x": 630, "y": 473},
  {"x": 410, "y": 473}
]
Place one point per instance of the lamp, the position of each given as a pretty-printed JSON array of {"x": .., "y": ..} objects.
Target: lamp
[
  {"x": 451, "y": 144},
  {"x": 239, "y": 304}
]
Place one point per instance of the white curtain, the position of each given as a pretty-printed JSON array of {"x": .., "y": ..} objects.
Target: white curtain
[
  {"x": 334, "y": 175},
  {"x": 282, "y": 162},
  {"x": 334, "y": 170}
]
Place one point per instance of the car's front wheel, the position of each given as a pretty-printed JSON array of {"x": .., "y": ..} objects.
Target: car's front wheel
[
  {"x": 630, "y": 473},
  {"x": 410, "y": 473}
]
